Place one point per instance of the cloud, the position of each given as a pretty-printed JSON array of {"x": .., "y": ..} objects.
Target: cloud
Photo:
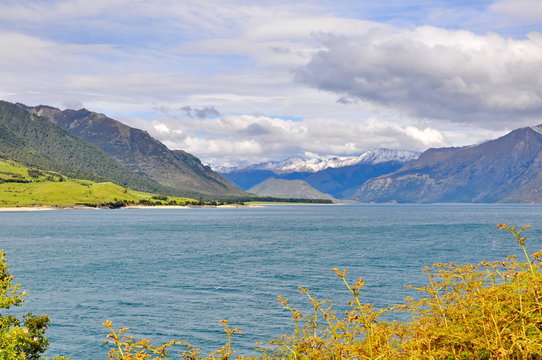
[
  {"x": 142, "y": 62},
  {"x": 429, "y": 137},
  {"x": 254, "y": 129},
  {"x": 247, "y": 138},
  {"x": 526, "y": 11},
  {"x": 161, "y": 128},
  {"x": 346, "y": 100},
  {"x": 200, "y": 113},
  {"x": 435, "y": 73}
]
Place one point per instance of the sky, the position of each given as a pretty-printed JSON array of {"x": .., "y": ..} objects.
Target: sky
[{"x": 239, "y": 82}]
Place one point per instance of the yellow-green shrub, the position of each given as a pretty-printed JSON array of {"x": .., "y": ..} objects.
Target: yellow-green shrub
[{"x": 492, "y": 310}]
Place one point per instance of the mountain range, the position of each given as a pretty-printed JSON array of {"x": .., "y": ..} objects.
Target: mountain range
[
  {"x": 339, "y": 177},
  {"x": 315, "y": 163},
  {"x": 87, "y": 145},
  {"x": 507, "y": 169}
]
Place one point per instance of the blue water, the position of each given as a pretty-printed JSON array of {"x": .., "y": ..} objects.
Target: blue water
[{"x": 174, "y": 273}]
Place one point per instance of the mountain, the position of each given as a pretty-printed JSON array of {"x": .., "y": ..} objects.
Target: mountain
[
  {"x": 293, "y": 189},
  {"x": 338, "y": 176},
  {"x": 34, "y": 141},
  {"x": 138, "y": 151},
  {"x": 343, "y": 182},
  {"x": 507, "y": 169},
  {"x": 315, "y": 164}
]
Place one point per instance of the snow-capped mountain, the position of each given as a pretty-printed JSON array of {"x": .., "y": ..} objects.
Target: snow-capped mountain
[{"x": 313, "y": 163}]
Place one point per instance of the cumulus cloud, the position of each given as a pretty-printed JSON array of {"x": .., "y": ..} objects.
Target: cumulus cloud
[
  {"x": 429, "y": 137},
  {"x": 161, "y": 128},
  {"x": 435, "y": 73}
]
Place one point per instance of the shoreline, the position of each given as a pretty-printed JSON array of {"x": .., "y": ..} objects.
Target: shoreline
[
  {"x": 228, "y": 206},
  {"x": 130, "y": 207},
  {"x": 261, "y": 204},
  {"x": 30, "y": 208}
]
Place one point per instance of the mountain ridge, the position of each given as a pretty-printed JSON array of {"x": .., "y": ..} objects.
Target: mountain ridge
[
  {"x": 33, "y": 140},
  {"x": 506, "y": 169},
  {"x": 339, "y": 182},
  {"x": 141, "y": 153},
  {"x": 318, "y": 163}
]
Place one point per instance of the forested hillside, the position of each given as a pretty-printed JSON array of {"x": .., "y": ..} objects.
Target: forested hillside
[
  {"x": 141, "y": 153},
  {"x": 35, "y": 141}
]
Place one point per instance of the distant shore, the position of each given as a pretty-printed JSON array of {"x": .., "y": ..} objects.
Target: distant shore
[
  {"x": 184, "y": 206},
  {"x": 50, "y": 208},
  {"x": 260, "y": 204},
  {"x": 245, "y": 205}
]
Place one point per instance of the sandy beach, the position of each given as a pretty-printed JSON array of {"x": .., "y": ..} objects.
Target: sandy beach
[{"x": 29, "y": 208}]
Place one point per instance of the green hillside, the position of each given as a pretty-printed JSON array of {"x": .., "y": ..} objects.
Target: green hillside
[
  {"x": 36, "y": 142},
  {"x": 24, "y": 186},
  {"x": 139, "y": 152}
]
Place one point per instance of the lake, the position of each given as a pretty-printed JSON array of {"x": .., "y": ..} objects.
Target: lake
[{"x": 174, "y": 273}]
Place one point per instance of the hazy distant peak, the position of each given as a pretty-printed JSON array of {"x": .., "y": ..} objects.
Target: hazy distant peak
[{"x": 295, "y": 189}]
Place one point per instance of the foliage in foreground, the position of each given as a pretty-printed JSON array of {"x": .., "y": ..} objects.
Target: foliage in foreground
[
  {"x": 19, "y": 339},
  {"x": 492, "y": 310}
]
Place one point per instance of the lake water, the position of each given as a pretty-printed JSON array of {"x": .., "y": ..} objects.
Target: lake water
[{"x": 174, "y": 273}]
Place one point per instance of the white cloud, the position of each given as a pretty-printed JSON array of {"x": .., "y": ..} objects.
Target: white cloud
[
  {"x": 161, "y": 128},
  {"x": 142, "y": 61},
  {"x": 222, "y": 149},
  {"x": 428, "y": 137},
  {"x": 247, "y": 138},
  {"x": 435, "y": 73}
]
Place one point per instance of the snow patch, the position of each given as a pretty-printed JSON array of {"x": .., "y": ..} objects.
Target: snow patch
[{"x": 313, "y": 163}]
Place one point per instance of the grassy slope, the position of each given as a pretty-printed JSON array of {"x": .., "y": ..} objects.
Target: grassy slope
[
  {"x": 23, "y": 186},
  {"x": 36, "y": 142}
]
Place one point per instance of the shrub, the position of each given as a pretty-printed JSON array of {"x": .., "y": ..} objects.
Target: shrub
[
  {"x": 492, "y": 310},
  {"x": 160, "y": 197},
  {"x": 34, "y": 173},
  {"x": 485, "y": 311}
]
